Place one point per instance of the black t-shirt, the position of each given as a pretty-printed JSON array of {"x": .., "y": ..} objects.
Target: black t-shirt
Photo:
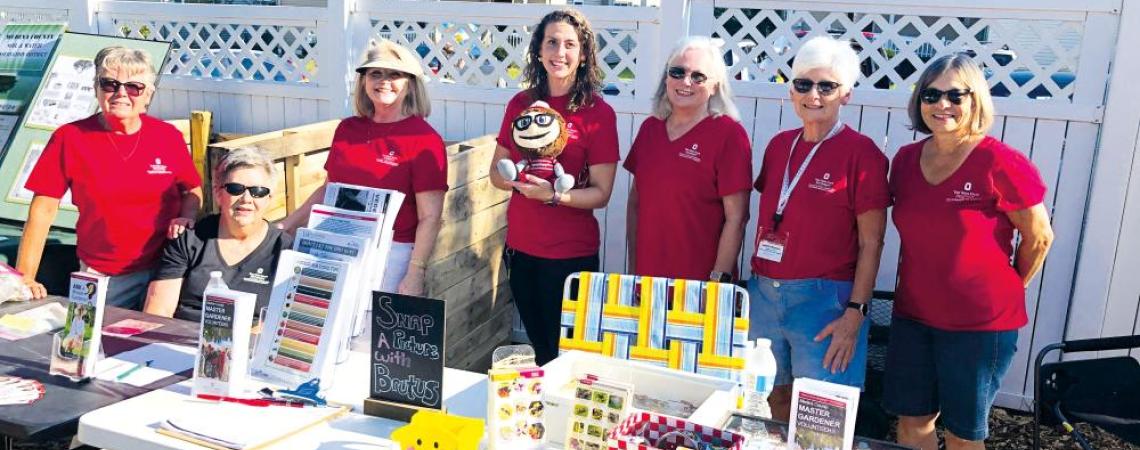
[{"x": 195, "y": 254}]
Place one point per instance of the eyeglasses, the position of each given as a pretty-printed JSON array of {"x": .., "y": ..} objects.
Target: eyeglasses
[
  {"x": 932, "y": 96},
  {"x": 541, "y": 120},
  {"x": 111, "y": 86},
  {"x": 825, "y": 88},
  {"x": 678, "y": 73},
  {"x": 385, "y": 75},
  {"x": 236, "y": 189}
]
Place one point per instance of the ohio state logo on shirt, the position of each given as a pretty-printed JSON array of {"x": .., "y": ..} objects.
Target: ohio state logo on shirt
[
  {"x": 965, "y": 194},
  {"x": 158, "y": 168},
  {"x": 691, "y": 153},
  {"x": 823, "y": 183},
  {"x": 258, "y": 277},
  {"x": 391, "y": 157}
]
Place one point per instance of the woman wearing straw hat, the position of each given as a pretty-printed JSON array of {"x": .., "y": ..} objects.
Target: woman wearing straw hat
[{"x": 389, "y": 145}]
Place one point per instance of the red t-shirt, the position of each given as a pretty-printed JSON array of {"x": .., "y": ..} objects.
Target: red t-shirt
[
  {"x": 957, "y": 241},
  {"x": 127, "y": 188},
  {"x": 561, "y": 232},
  {"x": 847, "y": 177},
  {"x": 680, "y": 185},
  {"x": 405, "y": 156}
]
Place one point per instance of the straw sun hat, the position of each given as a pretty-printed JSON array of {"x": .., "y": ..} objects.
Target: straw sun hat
[{"x": 386, "y": 54}]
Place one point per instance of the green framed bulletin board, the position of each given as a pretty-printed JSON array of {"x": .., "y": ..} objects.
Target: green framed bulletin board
[{"x": 66, "y": 94}]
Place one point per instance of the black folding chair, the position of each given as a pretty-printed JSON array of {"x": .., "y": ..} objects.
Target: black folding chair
[{"x": 1104, "y": 392}]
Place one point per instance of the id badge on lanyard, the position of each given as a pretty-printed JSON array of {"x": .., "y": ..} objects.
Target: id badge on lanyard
[{"x": 770, "y": 243}]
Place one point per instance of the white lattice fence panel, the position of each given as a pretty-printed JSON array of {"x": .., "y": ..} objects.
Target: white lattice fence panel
[
  {"x": 493, "y": 55},
  {"x": 1023, "y": 58},
  {"x": 232, "y": 51}
]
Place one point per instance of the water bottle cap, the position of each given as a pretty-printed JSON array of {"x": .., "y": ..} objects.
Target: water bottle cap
[
  {"x": 763, "y": 343},
  {"x": 215, "y": 274}
]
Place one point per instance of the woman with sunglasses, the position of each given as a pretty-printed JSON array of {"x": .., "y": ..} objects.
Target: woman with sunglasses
[
  {"x": 959, "y": 196},
  {"x": 238, "y": 242},
  {"x": 820, "y": 232},
  {"x": 389, "y": 145},
  {"x": 692, "y": 168},
  {"x": 551, "y": 235},
  {"x": 130, "y": 176}
]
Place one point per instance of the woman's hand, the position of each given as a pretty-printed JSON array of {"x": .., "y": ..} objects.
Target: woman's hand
[
  {"x": 179, "y": 225},
  {"x": 844, "y": 333},
  {"x": 413, "y": 282},
  {"x": 534, "y": 188},
  {"x": 37, "y": 288}
]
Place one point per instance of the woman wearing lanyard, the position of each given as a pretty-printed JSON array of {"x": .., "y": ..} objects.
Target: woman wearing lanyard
[
  {"x": 959, "y": 196},
  {"x": 820, "y": 231},
  {"x": 550, "y": 235}
]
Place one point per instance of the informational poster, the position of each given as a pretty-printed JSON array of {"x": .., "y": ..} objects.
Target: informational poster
[
  {"x": 25, "y": 50},
  {"x": 68, "y": 94},
  {"x": 20, "y": 194}
]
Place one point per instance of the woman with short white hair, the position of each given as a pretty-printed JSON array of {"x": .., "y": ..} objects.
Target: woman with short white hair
[
  {"x": 238, "y": 241},
  {"x": 820, "y": 232},
  {"x": 129, "y": 175},
  {"x": 691, "y": 164}
]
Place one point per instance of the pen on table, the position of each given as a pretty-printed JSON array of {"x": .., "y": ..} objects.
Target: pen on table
[
  {"x": 133, "y": 369},
  {"x": 251, "y": 401}
]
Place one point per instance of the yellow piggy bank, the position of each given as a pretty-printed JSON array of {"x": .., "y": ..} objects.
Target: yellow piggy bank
[{"x": 432, "y": 430}]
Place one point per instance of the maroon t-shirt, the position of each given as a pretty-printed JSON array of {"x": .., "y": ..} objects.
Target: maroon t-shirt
[
  {"x": 127, "y": 188},
  {"x": 680, "y": 187},
  {"x": 405, "y": 156},
  {"x": 847, "y": 177},
  {"x": 561, "y": 232},
  {"x": 957, "y": 241}
]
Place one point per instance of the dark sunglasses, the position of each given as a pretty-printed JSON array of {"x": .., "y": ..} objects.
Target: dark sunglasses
[
  {"x": 932, "y": 96},
  {"x": 237, "y": 189},
  {"x": 111, "y": 86},
  {"x": 825, "y": 88},
  {"x": 678, "y": 73},
  {"x": 542, "y": 120}
]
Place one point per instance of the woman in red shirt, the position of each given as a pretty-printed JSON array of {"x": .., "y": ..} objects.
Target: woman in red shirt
[
  {"x": 692, "y": 167},
  {"x": 130, "y": 177},
  {"x": 551, "y": 235},
  {"x": 389, "y": 145},
  {"x": 959, "y": 195}
]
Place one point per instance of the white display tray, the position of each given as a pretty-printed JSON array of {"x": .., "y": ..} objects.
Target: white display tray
[{"x": 713, "y": 396}]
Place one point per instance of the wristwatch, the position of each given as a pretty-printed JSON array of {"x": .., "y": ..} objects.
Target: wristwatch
[
  {"x": 861, "y": 307},
  {"x": 723, "y": 277}
]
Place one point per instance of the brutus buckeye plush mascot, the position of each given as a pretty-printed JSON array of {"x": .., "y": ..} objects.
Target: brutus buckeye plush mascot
[{"x": 539, "y": 133}]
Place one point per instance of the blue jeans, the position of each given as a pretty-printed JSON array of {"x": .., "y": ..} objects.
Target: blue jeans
[
  {"x": 954, "y": 373},
  {"x": 791, "y": 313},
  {"x": 127, "y": 290}
]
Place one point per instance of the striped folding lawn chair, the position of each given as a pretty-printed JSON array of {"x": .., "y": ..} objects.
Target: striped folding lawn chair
[{"x": 689, "y": 325}]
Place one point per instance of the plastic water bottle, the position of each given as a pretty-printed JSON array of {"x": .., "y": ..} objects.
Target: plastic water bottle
[
  {"x": 757, "y": 381},
  {"x": 759, "y": 377},
  {"x": 216, "y": 281}
]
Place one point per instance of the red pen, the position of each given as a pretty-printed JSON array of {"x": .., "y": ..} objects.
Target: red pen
[{"x": 259, "y": 402}]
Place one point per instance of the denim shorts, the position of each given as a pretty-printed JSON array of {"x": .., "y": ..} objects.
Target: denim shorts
[
  {"x": 954, "y": 373},
  {"x": 791, "y": 313}
]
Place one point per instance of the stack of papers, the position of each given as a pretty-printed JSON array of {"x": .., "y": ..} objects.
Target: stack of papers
[
  {"x": 147, "y": 364},
  {"x": 40, "y": 319}
]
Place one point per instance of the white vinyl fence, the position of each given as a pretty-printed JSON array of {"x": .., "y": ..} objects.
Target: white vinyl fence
[{"x": 1048, "y": 62}]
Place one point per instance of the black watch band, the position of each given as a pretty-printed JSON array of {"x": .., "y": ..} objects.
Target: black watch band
[{"x": 861, "y": 307}]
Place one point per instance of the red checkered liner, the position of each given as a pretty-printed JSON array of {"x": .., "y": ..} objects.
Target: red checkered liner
[{"x": 659, "y": 425}]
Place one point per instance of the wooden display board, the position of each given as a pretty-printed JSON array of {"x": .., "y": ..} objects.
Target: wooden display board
[{"x": 66, "y": 93}]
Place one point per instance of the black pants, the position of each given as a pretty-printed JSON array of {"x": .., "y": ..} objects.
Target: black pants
[{"x": 536, "y": 284}]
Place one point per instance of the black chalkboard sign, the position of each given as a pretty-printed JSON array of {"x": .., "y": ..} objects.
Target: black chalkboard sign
[{"x": 407, "y": 350}]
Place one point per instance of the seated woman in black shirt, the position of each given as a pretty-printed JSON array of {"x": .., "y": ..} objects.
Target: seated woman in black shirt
[{"x": 238, "y": 242}]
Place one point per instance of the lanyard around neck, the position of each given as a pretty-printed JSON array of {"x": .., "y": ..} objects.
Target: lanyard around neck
[{"x": 786, "y": 186}]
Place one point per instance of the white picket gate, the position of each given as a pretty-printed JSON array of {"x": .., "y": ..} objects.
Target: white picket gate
[{"x": 261, "y": 68}]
